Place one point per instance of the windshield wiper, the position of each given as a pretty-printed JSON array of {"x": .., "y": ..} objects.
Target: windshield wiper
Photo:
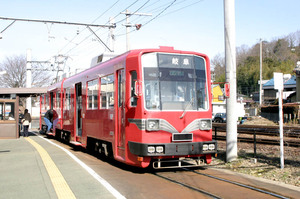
[{"x": 184, "y": 111}]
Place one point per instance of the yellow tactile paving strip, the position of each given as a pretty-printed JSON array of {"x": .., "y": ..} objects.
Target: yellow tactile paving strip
[{"x": 60, "y": 185}]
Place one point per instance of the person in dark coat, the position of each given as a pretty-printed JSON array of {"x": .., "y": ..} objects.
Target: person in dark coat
[
  {"x": 48, "y": 117},
  {"x": 26, "y": 122}
]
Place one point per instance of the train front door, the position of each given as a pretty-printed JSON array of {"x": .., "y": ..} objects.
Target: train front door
[
  {"x": 121, "y": 110},
  {"x": 78, "y": 109}
]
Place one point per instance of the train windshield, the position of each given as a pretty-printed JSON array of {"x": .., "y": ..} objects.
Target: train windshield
[{"x": 174, "y": 82}]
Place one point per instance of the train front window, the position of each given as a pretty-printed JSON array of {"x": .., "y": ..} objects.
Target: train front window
[{"x": 174, "y": 82}]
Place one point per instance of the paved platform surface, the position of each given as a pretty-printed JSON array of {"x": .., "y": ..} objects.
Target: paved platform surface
[{"x": 32, "y": 168}]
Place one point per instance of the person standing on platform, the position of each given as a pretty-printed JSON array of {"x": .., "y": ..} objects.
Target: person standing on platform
[{"x": 26, "y": 122}]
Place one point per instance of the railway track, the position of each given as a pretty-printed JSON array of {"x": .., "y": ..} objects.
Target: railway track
[
  {"x": 268, "y": 135},
  {"x": 222, "y": 188},
  {"x": 289, "y": 143}
]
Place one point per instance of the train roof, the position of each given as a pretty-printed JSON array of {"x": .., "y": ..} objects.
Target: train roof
[{"x": 88, "y": 73}]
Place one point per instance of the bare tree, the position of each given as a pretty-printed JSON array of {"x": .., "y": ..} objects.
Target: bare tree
[
  {"x": 15, "y": 76},
  {"x": 218, "y": 63}
]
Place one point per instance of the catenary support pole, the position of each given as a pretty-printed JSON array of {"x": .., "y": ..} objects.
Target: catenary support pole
[
  {"x": 128, "y": 25},
  {"x": 28, "y": 80},
  {"x": 230, "y": 61},
  {"x": 111, "y": 35}
]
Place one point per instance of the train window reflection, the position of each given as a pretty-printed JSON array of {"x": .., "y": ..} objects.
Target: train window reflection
[
  {"x": 92, "y": 94},
  {"x": 107, "y": 92},
  {"x": 175, "y": 82}
]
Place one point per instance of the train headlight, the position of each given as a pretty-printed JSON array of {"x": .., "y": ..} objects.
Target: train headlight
[
  {"x": 211, "y": 147},
  {"x": 151, "y": 149},
  {"x": 205, "y": 124},
  {"x": 159, "y": 149},
  {"x": 152, "y": 125},
  {"x": 205, "y": 147}
]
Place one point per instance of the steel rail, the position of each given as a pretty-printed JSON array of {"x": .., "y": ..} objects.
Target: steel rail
[
  {"x": 188, "y": 186},
  {"x": 261, "y": 130},
  {"x": 239, "y": 184},
  {"x": 263, "y": 141}
]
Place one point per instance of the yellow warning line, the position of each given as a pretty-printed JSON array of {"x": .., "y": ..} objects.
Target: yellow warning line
[{"x": 61, "y": 187}]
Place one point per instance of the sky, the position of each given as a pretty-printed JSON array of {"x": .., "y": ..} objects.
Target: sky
[{"x": 193, "y": 25}]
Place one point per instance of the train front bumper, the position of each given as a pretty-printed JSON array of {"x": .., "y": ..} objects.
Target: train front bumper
[{"x": 173, "y": 149}]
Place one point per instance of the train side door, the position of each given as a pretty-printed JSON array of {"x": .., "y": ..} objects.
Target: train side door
[
  {"x": 121, "y": 110},
  {"x": 78, "y": 109}
]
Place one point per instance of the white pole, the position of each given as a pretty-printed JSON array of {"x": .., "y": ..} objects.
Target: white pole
[
  {"x": 278, "y": 84},
  {"x": 281, "y": 130},
  {"x": 230, "y": 58},
  {"x": 128, "y": 25},
  {"x": 28, "y": 69},
  {"x": 111, "y": 35},
  {"x": 260, "y": 73},
  {"x": 28, "y": 80}
]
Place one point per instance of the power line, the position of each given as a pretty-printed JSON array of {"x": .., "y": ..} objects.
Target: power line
[
  {"x": 160, "y": 13},
  {"x": 182, "y": 7},
  {"x": 106, "y": 11},
  {"x": 106, "y": 23},
  {"x": 142, "y": 7},
  {"x": 134, "y": 13},
  {"x": 153, "y": 17},
  {"x": 125, "y": 9},
  {"x": 92, "y": 22}
]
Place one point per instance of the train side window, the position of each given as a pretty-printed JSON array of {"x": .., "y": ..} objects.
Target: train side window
[
  {"x": 92, "y": 95},
  {"x": 133, "y": 98},
  {"x": 110, "y": 91},
  {"x": 57, "y": 99},
  {"x": 47, "y": 103},
  {"x": 67, "y": 99},
  {"x": 107, "y": 92}
]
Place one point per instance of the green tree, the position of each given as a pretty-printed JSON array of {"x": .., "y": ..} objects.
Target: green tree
[{"x": 279, "y": 55}]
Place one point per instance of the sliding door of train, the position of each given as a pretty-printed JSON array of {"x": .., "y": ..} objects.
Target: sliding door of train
[
  {"x": 121, "y": 109},
  {"x": 78, "y": 109}
]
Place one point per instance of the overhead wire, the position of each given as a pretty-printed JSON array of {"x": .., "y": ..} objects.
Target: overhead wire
[
  {"x": 99, "y": 28},
  {"x": 182, "y": 8},
  {"x": 159, "y": 9},
  {"x": 85, "y": 27},
  {"x": 134, "y": 11},
  {"x": 154, "y": 17}
]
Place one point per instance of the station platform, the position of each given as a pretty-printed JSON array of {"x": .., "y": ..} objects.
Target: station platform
[{"x": 33, "y": 167}]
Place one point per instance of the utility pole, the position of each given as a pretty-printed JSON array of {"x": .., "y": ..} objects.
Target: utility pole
[
  {"x": 128, "y": 25},
  {"x": 260, "y": 73},
  {"x": 61, "y": 60},
  {"x": 28, "y": 80},
  {"x": 111, "y": 35},
  {"x": 230, "y": 60}
]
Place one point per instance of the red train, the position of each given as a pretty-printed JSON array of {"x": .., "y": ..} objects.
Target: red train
[{"x": 144, "y": 106}]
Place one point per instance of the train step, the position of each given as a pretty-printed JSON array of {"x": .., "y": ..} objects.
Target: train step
[{"x": 76, "y": 143}]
